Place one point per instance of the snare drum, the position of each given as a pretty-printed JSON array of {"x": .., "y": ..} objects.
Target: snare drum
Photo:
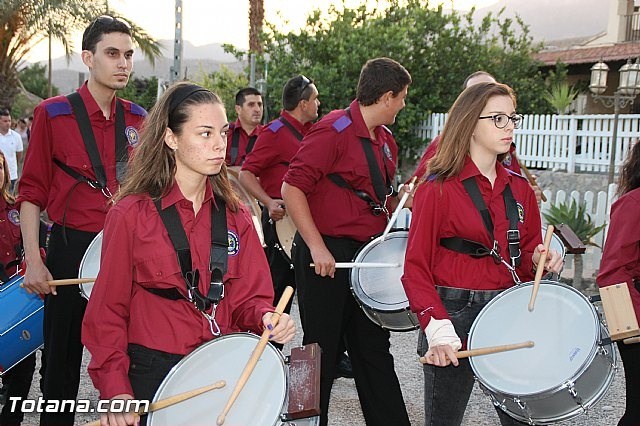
[
  {"x": 90, "y": 265},
  {"x": 567, "y": 371},
  {"x": 261, "y": 402},
  {"x": 21, "y": 320},
  {"x": 248, "y": 201},
  {"x": 379, "y": 291},
  {"x": 557, "y": 245},
  {"x": 285, "y": 232}
]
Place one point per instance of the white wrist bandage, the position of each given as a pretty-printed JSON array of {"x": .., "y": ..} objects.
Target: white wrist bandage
[{"x": 441, "y": 332}]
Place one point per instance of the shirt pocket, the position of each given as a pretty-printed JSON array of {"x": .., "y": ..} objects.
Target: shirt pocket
[
  {"x": 165, "y": 269},
  {"x": 80, "y": 163}
]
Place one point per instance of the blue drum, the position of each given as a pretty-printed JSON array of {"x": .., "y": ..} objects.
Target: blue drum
[{"x": 21, "y": 317}]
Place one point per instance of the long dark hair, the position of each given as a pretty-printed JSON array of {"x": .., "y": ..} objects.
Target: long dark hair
[
  {"x": 6, "y": 182},
  {"x": 153, "y": 165},
  {"x": 630, "y": 173}
]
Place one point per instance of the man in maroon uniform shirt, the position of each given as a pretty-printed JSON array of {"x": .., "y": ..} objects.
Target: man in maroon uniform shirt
[
  {"x": 77, "y": 157},
  {"x": 242, "y": 134},
  {"x": 336, "y": 191},
  {"x": 269, "y": 161}
]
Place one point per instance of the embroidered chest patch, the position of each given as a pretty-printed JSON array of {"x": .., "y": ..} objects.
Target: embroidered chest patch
[
  {"x": 520, "y": 212},
  {"x": 234, "y": 243},
  {"x": 14, "y": 217},
  {"x": 387, "y": 152},
  {"x": 132, "y": 135}
]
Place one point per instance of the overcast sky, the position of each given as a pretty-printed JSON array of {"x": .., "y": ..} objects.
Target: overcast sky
[{"x": 222, "y": 21}]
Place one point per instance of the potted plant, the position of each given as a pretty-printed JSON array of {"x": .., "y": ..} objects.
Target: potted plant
[{"x": 576, "y": 217}]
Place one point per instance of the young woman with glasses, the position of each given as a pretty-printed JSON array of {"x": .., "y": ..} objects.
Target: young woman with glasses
[{"x": 446, "y": 287}]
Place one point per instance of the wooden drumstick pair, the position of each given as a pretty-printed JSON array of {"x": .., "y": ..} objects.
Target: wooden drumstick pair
[
  {"x": 172, "y": 400},
  {"x": 488, "y": 350},
  {"x": 255, "y": 355},
  {"x": 540, "y": 268},
  {"x": 69, "y": 281}
]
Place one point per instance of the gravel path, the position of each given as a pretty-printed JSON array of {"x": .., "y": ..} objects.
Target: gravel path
[{"x": 345, "y": 408}]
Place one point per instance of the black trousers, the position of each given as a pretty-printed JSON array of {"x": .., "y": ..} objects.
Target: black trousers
[
  {"x": 62, "y": 353},
  {"x": 630, "y": 355},
  {"x": 18, "y": 382},
  {"x": 147, "y": 370},
  {"x": 282, "y": 273},
  {"x": 330, "y": 313}
]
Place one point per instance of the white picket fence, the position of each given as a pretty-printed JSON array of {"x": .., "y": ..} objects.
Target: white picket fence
[
  {"x": 598, "y": 206},
  {"x": 563, "y": 142}
]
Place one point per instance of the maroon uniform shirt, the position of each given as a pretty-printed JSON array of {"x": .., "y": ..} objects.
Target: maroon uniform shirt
[
  {"x": 9, "y": 234},
  {"x": 273, "y": 151},
  {"x": 445, "y": 209},
  {"x": 621, "y": 255},
  {"x": 243, "y": 142},
  {"x": 137, "y": 254},
  {"x": 333, "y": 146},
  {"x": 510, "y": 161},
  {"x": 55, "y": 134}
]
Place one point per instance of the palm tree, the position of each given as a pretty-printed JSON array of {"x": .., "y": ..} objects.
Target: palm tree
[
  {"x": 256, "y": 17},
  {"x": 25, "y": 23}
]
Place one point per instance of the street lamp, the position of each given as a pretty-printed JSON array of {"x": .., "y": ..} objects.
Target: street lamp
[{"x": 628, "y": 88}]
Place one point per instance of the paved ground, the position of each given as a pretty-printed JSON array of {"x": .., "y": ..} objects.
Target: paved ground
[{"x": 345, "y": 408}]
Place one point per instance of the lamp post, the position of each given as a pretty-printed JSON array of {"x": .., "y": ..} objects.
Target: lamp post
[{"x": 628, "y": 88}]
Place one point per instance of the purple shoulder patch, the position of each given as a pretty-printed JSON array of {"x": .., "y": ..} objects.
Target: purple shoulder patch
[
  {"x": 342, "y": 123},
  {"x": 58, "y": 108},
  {"x": 138, "y": 110},
  {"x": 275, "y": 125}
]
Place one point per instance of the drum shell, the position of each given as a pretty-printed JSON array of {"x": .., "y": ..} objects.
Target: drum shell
[
  {"x": 262, "y": 400},
  {"x": 22, "y": 315},
  {"x": 589, "y": 378},
  {"x": 379, "y": 291},
  {"x": 90, "y": 265}
]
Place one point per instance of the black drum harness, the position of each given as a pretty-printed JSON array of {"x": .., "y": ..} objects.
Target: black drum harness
[
  {"x": 218, "y": 261},
  {"x": 235, "y": 144},
  {"x": 382, "y": 188},
  {"x": 89, "y": 139},
  {"x": 477, "y": 250}
]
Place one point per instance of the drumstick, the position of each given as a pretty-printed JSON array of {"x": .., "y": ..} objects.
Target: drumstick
[
  {"x": 363, "y": 265},
  {"x": 488, "y": 350},
  {"x": 172, "y": 400},
  {"x": 631, "y": 340},
  {"x": 255, "y": 355},
  {"x": 531, "y": 179},
  {"x": 70, "y": 281},
  {"x": 396, "y": 213},
  {"x": 540, "y": 268}
]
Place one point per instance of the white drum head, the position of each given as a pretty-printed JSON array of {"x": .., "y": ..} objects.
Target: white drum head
[
  {"x": 248, "y": 201},
  {"x": 381, "y": 288},
  {"x": 564, "y": 327},
  {"x": 286, "y": 231},
  {"x": 224, "y": 358},
  {"x": 90, "y": 264}
]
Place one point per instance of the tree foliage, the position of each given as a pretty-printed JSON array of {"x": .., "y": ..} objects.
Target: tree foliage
[
  {"x": 25, "y": 23},
  {"x": 34, "y": 80},
  {"x": 225, "y": 83},
  {"x": 142, "y": 91},
  {"x": 438, "y": 47}
]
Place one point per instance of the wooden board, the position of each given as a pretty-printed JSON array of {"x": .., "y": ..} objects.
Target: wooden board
[{"x": 618, "y": 310}]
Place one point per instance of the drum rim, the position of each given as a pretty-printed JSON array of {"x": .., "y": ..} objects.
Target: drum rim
[
  {"x": 362, "y": 251},
  {"x": 578, "y": 372},
  {"x": 90, "y": 248},
  {"x": 202, "y": 347}
]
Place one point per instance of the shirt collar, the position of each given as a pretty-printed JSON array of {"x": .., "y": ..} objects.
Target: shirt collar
[
  {"x": 92, "y": 106},
  {"x": 470, "y": 169},
  {"x": 175, "y": 195},
  {"x": 362, "y": 131},
  {"x": 302, "y": 128}
]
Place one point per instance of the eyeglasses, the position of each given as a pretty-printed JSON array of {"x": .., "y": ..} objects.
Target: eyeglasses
[
  {"x": 502, "y": 120},
  {"x": 304, "y": 83}
]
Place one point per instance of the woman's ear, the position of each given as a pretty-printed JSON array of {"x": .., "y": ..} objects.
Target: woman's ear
[{"x": 170, "y": 139}]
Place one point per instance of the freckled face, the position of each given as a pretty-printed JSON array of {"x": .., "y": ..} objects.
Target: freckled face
[{"x": 201, "y": 147}]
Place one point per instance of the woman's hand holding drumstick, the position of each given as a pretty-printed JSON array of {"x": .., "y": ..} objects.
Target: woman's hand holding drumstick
[
  {"x": 172, "y": 400},
  {"x": 487, "y": 350},
  {"x": 255, "y": 356}
]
